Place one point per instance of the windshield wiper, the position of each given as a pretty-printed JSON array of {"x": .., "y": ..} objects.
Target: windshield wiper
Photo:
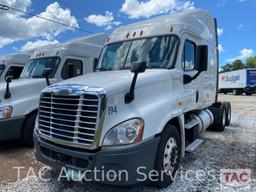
[
  {"x": 101, "y": 69},
  {"x": 36, "y": 76}
]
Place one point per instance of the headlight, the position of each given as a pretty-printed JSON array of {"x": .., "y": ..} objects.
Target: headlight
[
  {"x": 128, "y": 132},
  {"x": 5, "y": 112}
]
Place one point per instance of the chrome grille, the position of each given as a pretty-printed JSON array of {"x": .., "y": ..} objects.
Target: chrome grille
[{"x": 71, "y": 119}]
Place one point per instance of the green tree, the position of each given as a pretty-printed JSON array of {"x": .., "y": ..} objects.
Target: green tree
[
  {"x": 251, "y": 62},
  {"x": 238, "y": 64},
  {"x": 227, "y": 67}
]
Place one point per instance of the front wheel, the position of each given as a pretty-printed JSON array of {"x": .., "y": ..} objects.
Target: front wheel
[
  {"x": 28, "y": 130},
  {"x": 168, "y": 157}
]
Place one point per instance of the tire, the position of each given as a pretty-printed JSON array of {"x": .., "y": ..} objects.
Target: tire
[
  {"x": 228, "y": 113},
  {"x": 236, "y": 92},
  {"x": 28, "y": 130},
  {"x": 169, "y": 152},
  {"x": 219, "y": 113}
]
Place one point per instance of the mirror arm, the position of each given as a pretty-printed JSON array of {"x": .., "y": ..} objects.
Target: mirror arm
[
  {"x": 47, "y": 81},
  {"x": 196, "y": 75},
  {"x": 7, "y": 94},
  {"x": 188, "y": 79},
  {"x": 129, "y": 97}
]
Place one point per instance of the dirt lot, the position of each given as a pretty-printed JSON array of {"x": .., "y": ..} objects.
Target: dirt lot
[{"x": 235, "y": 148}]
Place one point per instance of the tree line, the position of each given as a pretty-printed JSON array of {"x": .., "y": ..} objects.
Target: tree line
[{"x": 238, "y": 64}]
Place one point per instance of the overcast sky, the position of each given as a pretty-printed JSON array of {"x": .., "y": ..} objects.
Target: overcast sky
[{"x": 236, "y": 18}]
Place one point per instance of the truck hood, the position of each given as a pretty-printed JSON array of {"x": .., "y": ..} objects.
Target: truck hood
[
  {"x": 117, "y": 81},
  {"x": 22, "y": 88}
]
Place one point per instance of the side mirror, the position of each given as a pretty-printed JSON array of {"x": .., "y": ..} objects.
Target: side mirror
[
  {"x": 8, "y": 79},
  {"x": 47, "y": 72},
  {"x": 8, "y": 94},
  {"x": 139, "y": 67},
  {"x": 95, "y": 63},
  {"x": 136, "y": 68},
  {"x": 201, "y": 58}
]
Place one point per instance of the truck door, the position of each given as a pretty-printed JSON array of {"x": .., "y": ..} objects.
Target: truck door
[{"x": 192, "y": 90}]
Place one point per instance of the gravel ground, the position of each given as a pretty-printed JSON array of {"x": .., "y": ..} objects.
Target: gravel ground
[{"x": 235, "y": 148}]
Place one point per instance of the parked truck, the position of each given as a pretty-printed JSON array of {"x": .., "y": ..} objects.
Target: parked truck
[
  {"x": 153, "y": 95},
  {"x": 12, "y": 65},
  {"x": 19, "y": 100},
  {"x": 238, "y": 82}
]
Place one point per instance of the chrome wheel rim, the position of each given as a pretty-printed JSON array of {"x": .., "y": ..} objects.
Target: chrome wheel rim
[
  {"x": 224, "y": 117},
  {"x": 170, "y": 156},
  {"x": 229, "y": 114}
]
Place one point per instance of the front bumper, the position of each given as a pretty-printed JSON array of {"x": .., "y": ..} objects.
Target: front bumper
[
  {"x": 11, "y": 128},
  {"x": 125, "y": 160}
]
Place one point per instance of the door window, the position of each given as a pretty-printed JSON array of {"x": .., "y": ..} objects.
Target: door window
[
  {"x": 14, "y": 72},
  {"x": 189, "y": 53},
  {"x": 72, "y": 68}
]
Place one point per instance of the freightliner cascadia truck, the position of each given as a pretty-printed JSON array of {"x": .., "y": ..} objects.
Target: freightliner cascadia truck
[
  {"x": 152, "y": 97},
  {"x": 19, "y": 100},
  {"x": 12, "y": 65},
  {"x": 238, "y": 82}
]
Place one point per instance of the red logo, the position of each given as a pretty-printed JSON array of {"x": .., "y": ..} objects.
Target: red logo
[{"x": 235, "y": 177}]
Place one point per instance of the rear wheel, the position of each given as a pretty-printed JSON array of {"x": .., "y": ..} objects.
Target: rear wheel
[
  {"x": 28, "y": 130},
  {"x": 228, "y": 113},
  {"x": 236, "y": 92},
  {"x": 168, "y": 157},
  {"x": 220, "y": 114}
]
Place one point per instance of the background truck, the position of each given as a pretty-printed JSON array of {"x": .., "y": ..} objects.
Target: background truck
[
  {"x": 238, "y": 82},
  {"x": 155, "y": 92},
  {"x": 19, "y": 99},
  {"x": 12, "y": 65}
]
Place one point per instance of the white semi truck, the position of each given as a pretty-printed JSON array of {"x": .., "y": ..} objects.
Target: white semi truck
[
  {"x": 19, "y": 100},
  {"x": 238, "y": 82},
  {"x": 153, "y": 96},
  {"x": 12, "y": 65}
]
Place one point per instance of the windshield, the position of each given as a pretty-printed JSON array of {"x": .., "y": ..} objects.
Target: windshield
[
  {"x": 158, "y": 52},
  {"x": 34, "y": 68},
  {"x": 2, "y": 67}
]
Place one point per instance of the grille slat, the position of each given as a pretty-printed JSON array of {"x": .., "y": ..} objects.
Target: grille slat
[
  {"x": 72, "y": 119},
  {"x": 68, "y": 137},
  {"x": 66, "y": 104},
  {"x": 67, "y": 131},
  {"x": 56, "y": 108}
]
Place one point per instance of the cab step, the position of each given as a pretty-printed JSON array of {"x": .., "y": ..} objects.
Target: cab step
[
  {"x": 192, "y": 147},
  {"x": 191, "y": 124}
]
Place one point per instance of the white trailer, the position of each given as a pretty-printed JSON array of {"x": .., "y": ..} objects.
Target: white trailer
[
  {"x": 153, "y": 96},
  {"x": 19, "y": 99},
  {"x": 238, "y": 82},
  {"x": 12, "y": 65}
]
